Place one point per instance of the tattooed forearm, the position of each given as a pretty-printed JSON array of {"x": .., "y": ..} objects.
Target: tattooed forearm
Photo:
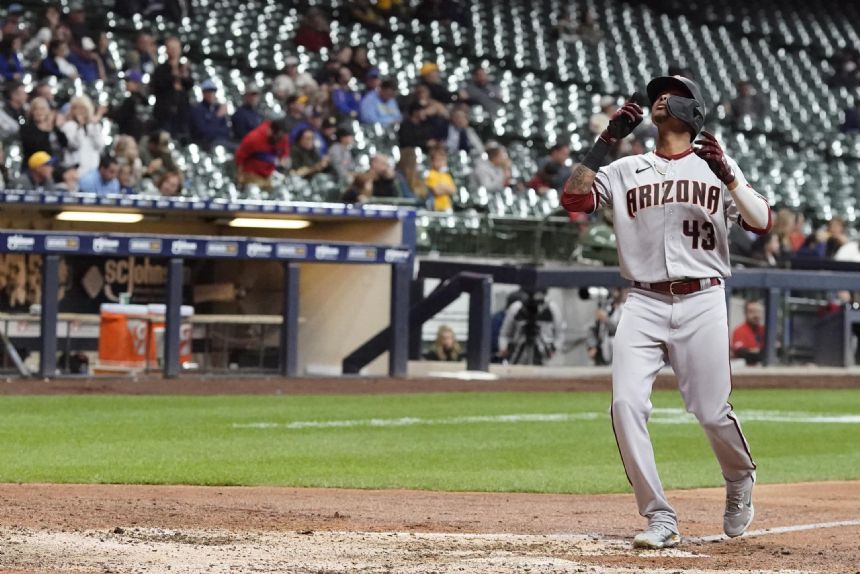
[{"x": 580, "y": 180}]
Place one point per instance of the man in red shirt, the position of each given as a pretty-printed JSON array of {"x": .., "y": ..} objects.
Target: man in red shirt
[
  {"x": 748, "y": 337},
  {"x": 262, "y": 150}
]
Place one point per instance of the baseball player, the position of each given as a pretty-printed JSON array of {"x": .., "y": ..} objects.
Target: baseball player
[{"x": 673, "y": 207}]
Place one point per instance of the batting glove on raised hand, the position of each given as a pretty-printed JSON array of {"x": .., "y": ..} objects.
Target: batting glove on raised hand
[
  {"x": 623, "y": 122},
  {"x": 708, "y": 148}
]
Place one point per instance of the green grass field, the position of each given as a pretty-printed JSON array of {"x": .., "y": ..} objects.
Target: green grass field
[{"x": 549, "y": 442}]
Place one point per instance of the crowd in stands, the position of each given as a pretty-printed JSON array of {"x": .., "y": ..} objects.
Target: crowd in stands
[{"x": 128, "y": 146}]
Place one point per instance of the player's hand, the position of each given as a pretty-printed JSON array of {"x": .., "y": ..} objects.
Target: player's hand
[
  {"x": 623, "y": 121},
  {"x": 708, "y": 148}
]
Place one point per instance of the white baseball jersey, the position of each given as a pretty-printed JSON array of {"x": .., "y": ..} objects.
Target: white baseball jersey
[{"x": 672, "y": 216}]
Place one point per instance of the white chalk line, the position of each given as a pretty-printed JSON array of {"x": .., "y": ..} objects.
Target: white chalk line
[
  {"x": 659, "y": 416},
  {"x": 777, "y": 530}
]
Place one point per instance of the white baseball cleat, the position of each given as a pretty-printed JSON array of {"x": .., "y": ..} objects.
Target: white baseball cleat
[{"x": 657, "y": 536}]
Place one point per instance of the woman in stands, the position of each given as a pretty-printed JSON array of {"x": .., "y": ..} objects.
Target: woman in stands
[
  {"x": 445, "y": 347},
  {"x": 41, "y": 131},
  {"x": 84, "y": 133}
]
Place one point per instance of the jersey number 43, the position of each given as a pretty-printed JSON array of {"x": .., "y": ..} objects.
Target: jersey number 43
[{"x": 702, "y": 233}]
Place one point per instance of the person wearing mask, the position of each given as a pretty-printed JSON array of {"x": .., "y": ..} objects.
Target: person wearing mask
[
  {"x": 263, "y": 150},
  {"x": 748, "y": 337},
  {"x": 171, "y": 83},
  {"x": 85, "y": 139},
  {"x": 209, "y": 126},
  {"x": 247, "y": 116},
  {"x": 103, "y": 179},
  {"x": 39, "y": 175}
]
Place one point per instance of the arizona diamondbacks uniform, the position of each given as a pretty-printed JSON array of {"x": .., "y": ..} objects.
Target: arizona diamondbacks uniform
[{"x": 672, "y": 216}]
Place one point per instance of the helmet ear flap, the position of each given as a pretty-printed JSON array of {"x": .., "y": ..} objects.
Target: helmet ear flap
[{"x": 689, "y": 111}]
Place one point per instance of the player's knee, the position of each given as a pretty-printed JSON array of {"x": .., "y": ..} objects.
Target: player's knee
[
  {"x": 711, "y": 419},
  {"x": 625, "y": 406}
]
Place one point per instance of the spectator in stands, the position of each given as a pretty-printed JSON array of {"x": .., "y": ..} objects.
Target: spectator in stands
[
  {"x": 852, "y": 118},
  {"x": 39, "y": 175},
  {"x": 767, "y": 249},
  {"x": 328, "y": 74},
  {"x": 56, "y": 63},
  {"x": 814, "y": 245},
  {"x": 46, "y": 92},
  {"x": 47, "y": 27},
  {"x": 588, "y": 29},
  {"x": 127, "y": 156},
  {"x": 87, "y": 62},
  {"x": 134, "y": 115},
  {"x": 435, "y": 113},
  {"x": 209, "y": 125},
  {"x": 102, "y": 180},
  {"x": 69, "y": 179},
  {"x": 849, "y": 251},
  {"x": 170, "y": 184},
  {"x": 748, "y": 337},
  {"x": 306, "y": 161},
  {"x": 462, "y": 136},
  {"x": 360, "y": 190},
  {"x": 76, "y": 21},
  {"x": 11, "y": 68},
  {"x": 155, "y": 154},
  {"x": 292, "y": 82},
  {"x": 314, "y": 31},
  {"x": 560, "y": 154},
  {"x": 445, "y": 347},
  {"x": 407, "y": 171},
  {"x": 380, "y": 106},
  {"x": 341, "y": 158},
  {"x": 85, "y": 139},
  {"x": 263, "y": 150},
  {"x": 143, "y": 56},
  {"x": 545, "y": 178},
  {"x": 171, "y": 83},
  {"x": 296, "y": 112},
  {"x": 439, "y": 181},
  {"x": 371, "y": 81},
  {"x": 785, "y": 226},
  {"x": 359, "y": 64},
  {"x": 314, "y": 122},
  {"x": 836, "y": 236},
  {"x": 102, "y": 52},
  {"x": 12, "y": 111},
  {"x": 494, "y": 172},
  {"x": 346, "y": 101},
  {"x": 247, "y": 117},
  {"x": 386, "y": 182},
  {"x": 430, "y": 77},
  {"x": 747, "y": 108},
  {"x": 480, "y": 91},
  {"x": 41, "y": 131},
  {"x": 415, "y": 131},
  {"x": 125, "y": 177}
]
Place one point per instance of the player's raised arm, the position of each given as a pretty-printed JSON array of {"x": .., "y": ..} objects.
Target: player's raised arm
[
  {"x": 753, "y": 208},
  {"x": 578, "y": 188}
]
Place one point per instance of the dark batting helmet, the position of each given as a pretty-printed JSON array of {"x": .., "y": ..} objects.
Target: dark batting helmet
[{"x": 690, "y": 110}]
